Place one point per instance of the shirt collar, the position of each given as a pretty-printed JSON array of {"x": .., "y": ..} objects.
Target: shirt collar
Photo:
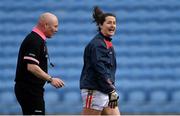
[
  {"x": 39, "y": 32},
  {"x": 105, "y": 37}
]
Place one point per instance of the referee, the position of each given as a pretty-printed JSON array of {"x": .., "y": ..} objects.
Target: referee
[{"x": 31, "y": 71}]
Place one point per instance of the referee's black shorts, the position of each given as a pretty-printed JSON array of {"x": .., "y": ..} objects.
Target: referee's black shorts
[{"x": 30, "y": 104}]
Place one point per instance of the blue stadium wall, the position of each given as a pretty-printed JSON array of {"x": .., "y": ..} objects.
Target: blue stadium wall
[{"x": 147, "y": 44}]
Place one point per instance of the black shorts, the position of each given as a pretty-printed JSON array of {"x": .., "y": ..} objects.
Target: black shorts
[{"x": 30, "y": 104}]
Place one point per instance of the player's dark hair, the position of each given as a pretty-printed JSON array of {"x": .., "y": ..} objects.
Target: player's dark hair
[{"x": 99, "y": 16}]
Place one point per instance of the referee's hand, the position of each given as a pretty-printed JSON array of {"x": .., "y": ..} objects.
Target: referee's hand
[{"x": 56, "y": 82}]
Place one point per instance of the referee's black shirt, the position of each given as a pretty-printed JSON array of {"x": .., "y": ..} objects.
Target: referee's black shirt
[{"x": 32, "y": 51}]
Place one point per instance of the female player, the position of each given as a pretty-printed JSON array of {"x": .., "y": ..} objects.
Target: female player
[{"x": 98, "y": 74}]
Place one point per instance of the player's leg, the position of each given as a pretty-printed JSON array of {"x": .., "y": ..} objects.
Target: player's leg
[
  {"x": 111, "y": 111},
  {"x": 88, "y": 111}
]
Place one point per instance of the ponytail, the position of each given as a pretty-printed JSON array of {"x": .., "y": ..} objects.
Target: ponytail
[{"x": 97, "y": 15}]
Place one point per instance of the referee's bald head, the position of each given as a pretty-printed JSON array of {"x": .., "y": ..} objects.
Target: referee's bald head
[{"x": 48, "y": 23}]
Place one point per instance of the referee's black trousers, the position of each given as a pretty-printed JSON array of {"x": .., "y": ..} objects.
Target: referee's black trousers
[{"x": 30, "y": 104}]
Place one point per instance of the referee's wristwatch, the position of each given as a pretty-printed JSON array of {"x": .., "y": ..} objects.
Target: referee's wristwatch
[{"x": 50, "y": 80}]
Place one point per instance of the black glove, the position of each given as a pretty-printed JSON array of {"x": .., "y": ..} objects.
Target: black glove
[{"x": 113, "y": 99}]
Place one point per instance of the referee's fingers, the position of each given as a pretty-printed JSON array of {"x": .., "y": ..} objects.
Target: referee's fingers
[
  {"x": 58, "y": 83},
  {"x": 61, "y": 83}
]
